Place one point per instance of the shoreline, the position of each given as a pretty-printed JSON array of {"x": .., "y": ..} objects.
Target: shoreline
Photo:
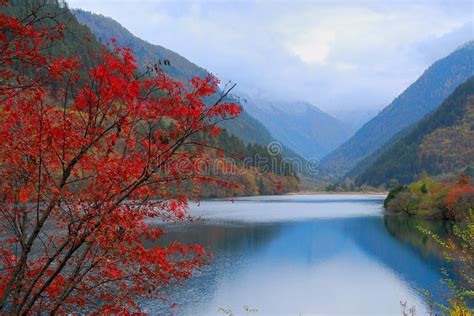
[{"x": 337, "y": 193}]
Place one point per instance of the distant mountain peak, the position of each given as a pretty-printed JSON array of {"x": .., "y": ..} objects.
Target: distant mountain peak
[
  {"x": 468, "y": 44},
  {"x": 300, "y": 125}
]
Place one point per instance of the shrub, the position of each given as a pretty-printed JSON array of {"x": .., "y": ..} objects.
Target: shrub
[
  {"x": 463, "y": 204},
  {"x": 393, "y": 193},
  {"x": 405, "y": 203}
]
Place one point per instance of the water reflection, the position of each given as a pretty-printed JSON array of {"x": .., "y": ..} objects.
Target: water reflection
[
  {"x": 311, "y": 255},
  {"x": 407, "y": 230}
]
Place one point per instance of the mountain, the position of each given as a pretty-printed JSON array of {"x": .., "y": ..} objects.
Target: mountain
[
  {"x": 247, "y": 128},
  {"x": 420, "y": 98},
  {"x": 366, "y": 162},
  {"x": 442, "y": 142},
  {"x": 354, "y": 118},
  {"x": 253, "y": 176},
  {"x": 301, "y": 126}
]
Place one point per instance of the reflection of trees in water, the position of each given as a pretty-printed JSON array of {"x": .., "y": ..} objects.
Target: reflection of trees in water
[
  {"x": 413, "y": 264},
  {"x": 220, "y": 236},
  {"x": 406, "y": 230}
]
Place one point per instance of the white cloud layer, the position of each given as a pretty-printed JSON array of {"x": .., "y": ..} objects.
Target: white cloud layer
[{"x": 339, "y": 55}]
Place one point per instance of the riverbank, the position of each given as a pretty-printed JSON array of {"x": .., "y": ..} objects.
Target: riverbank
[{"x": 430, "y": 199}]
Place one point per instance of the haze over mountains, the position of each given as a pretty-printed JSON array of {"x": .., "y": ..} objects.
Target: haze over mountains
[
  {"x": 338, "y": 55},
  {"x": 300, "y": 126},
  {"x": 105, "y": 28}
]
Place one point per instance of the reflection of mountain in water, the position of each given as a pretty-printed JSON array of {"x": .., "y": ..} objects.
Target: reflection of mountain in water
[
  {"x": 413, "y": 263},
  {"x": 223, "y": 236},
  {"x": 231, "y": 245},
  {"x": 407, "y": 230},
  {"x": 319, "y": 241}
]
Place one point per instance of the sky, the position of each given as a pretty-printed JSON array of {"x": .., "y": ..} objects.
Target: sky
[{"x": 342, "y": 56}]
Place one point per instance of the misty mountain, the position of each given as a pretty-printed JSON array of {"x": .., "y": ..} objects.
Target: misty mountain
[
  {"x": 420, "y": 98},
  {"x": 301, "y": 126},
  {"x": 441, "y": 143},
  {"x": 354, "y": 118},
  {"x": 247, "y": 128}
]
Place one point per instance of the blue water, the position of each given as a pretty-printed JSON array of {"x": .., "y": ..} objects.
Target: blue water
[{"x": 303, "y": 255}]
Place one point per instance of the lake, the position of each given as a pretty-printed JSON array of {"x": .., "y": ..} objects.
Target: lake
[{"x": 304, "y": 255}]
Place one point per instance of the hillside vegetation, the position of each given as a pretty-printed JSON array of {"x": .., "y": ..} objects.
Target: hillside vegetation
[
  {"x": 432, "y": 199},
  {"x": 77, "y": 40},
  {"x": 146, "y": 54}
]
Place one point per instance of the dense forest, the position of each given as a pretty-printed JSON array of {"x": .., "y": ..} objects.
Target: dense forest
[
  {"x": 248, "y": 169},
  {"x": 77, "y": 39}
]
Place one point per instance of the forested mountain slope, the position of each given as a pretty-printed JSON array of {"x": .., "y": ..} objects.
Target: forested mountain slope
[
  {"x": 77, "y": 39},
  {"x": 422, "y": 97},
  {"x": 440, "y": 143}
]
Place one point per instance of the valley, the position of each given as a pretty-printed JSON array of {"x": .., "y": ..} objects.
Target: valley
[{"x": 236, "y": 158}]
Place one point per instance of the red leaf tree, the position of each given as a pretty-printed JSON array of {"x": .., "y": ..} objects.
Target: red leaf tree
[{"x": 86, "y": 154}]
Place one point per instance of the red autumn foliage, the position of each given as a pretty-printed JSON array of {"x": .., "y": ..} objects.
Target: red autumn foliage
[
  {"x": 84, "y": 163},
  {"x": 455, "y": 191}
]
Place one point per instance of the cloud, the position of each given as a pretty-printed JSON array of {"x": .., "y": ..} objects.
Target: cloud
[
  {"x": 312, "y": 46},
  {"x": 346, "y": 67}
]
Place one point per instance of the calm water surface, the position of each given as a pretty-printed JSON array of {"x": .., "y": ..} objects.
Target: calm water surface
[{"x": 304, "y": 255}]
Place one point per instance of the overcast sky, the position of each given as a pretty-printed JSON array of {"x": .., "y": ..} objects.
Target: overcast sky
[{"x": 339, "y": 55}]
